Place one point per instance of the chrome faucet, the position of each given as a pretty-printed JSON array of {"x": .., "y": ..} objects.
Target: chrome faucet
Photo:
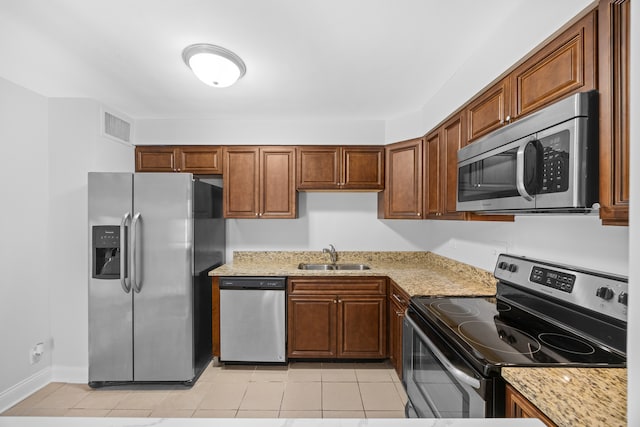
[{"x": 332, "y": 253}]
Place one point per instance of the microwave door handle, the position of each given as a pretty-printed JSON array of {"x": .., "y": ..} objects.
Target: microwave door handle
[
  {"x": 520, "y": 172},
  {"x": 125, "y": 281},
  {"x": 461, "y": 376}
]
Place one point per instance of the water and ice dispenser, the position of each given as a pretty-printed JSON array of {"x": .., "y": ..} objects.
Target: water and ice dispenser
[{"x": 105, "y": 251}]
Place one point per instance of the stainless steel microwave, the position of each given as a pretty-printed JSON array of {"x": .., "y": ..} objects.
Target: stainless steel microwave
[{"x": 544, "y": 163}]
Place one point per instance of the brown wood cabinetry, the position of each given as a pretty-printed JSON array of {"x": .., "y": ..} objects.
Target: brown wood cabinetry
[
  {"x": 339, "y": 317},
  {"x": 259, "y": 182},
  {"x": 441, "y": 162},
  {"x": 614, "y": 46},
  {"x": 402, "y": 197},
  {"x": 489, "y": 111},
  {"x": 564, "y": 66},
  {"x": 517, "y": 406},
  {"x": 398, "y": 303},
  {"x": 196, "y": 159},
  {"x": 340, "y": 168}
]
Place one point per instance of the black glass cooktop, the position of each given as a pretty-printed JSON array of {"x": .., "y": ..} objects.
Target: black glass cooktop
[{"x": 494, "y": 333}]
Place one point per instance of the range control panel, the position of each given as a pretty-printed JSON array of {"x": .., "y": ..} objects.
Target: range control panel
[
  {"x": 553, "y": 279},
  {"x": 597, "y": 291}
]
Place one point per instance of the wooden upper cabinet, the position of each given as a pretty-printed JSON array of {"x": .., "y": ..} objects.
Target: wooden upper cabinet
[
  {"x": 402, "y": 197},
  {"x": 362, "y": 168},
  {"x": 614, "y": 47},
  {"x": 489, "y": 111},
  {"x": 432, "y": 164},
  {"x": 196, "y": 159},
  {"x": 200, "y": 159},
  {"x": 259, "y": 182},
  {"x": 566, "y": 65},
  {"x": 155, "y": 159},
  {"x": 318, "y": 168},
  {"x": 340, "y": 168},
  {"x": 441, "y": 176},
  {"x": 277, "y": 183},
  {"x": 241, "y": 182}
]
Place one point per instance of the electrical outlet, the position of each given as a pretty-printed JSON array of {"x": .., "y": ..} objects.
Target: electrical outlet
[{"x": 35, "y": 354}]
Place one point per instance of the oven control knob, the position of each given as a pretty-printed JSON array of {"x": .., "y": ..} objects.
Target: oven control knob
[
  {"x": 503, "y": 265},
  {"x": 513, "y": 268},
  {"x": 604, "y": 293},
  {"x": 623, "y": 297}
]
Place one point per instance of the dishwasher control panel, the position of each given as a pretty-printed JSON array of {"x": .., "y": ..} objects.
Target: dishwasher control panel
[{"x": 240, "y": 282}]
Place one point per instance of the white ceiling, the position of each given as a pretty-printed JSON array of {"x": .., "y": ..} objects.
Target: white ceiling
[{"x": 348, "y": 59}]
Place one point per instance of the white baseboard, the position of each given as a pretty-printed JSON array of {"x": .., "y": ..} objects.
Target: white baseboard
[
  {"x": 70, "y": 374},
  {"x": 24, "y": 388}
]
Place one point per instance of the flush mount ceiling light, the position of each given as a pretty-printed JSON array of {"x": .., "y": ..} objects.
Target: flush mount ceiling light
[{"x": 214, "y": 65}]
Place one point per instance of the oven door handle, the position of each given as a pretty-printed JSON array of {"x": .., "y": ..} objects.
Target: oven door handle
[{"x": 461, "y": 376}]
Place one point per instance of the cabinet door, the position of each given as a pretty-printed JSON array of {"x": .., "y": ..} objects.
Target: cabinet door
[
  {"x": 517, "y": 406},
  {"x": 362, "y": 327},
  {"x": 402, "y": 197},
  {"x": 432, "y": 174},
  {"x": 241, "y": 187},
  {"x": 453, "y": 138},
  {"x": 155, "y": 159},
  {"x": 362, "y": 168},
  {"x": 312, "y": 326},
  {"x": 398, "y": 303},
  {"x": 318, "y": 168},
  {"x": 489, "y": 111},
  {"x": 614, "y": 48},
  {"x": 203, "y": 159},
  {"x": 564, "y": 66},
  {"x": 277, "y": 190}
]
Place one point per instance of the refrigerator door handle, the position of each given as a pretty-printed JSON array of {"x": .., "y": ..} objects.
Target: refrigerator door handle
[
  {"x": 134, "y": 259},
  {"x": 125, "y": 281}
]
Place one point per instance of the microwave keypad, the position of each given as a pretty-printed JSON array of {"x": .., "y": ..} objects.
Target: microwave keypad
[{"x": 555, "y": 166}]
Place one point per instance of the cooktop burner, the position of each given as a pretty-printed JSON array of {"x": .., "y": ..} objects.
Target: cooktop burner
[{"x": 496, "y": 333}]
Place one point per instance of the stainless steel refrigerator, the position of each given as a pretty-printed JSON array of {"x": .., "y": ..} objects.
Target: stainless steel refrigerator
[{"x": 153, "y": 239}]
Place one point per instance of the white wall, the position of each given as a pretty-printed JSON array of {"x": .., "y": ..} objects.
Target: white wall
[
  {"x": 633, "y": 355},
  {"x": 347, "y": 220},
  {"x": 246, "y": 132},
  {"x": 76, "y": 148},
  {"x": 24, "y": 218}
]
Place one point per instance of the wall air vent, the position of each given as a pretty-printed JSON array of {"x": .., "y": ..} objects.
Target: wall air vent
[{"x": 117, "y": 128}]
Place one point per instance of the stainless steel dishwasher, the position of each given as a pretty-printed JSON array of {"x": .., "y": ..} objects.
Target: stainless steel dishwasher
[{"x": 253, "y": 325}]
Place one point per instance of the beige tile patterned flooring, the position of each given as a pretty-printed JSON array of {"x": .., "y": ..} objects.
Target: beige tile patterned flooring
[{"x": 299, "y": 390}]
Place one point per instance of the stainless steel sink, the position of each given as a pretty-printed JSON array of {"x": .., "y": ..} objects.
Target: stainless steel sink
[{"x": 304, "y": 266}]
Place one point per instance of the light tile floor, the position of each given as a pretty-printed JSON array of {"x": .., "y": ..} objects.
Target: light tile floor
[{"x": 299, "y": 390}]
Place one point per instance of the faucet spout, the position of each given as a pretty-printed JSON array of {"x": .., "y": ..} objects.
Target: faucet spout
[{"x": 332, "y": 253}]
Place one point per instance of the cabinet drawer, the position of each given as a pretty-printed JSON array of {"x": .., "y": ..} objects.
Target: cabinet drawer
[{"x": 337, "y": 285}]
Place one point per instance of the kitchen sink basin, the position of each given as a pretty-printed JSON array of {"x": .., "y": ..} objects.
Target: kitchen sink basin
[{"x": 304, "y": 266}]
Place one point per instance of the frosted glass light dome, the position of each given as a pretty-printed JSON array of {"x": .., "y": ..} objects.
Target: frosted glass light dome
[{"x": 214, "y": 65}]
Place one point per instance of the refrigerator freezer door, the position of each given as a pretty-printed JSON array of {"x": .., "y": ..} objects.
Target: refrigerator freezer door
[
  {"x": 163, "y": 307},
  {"x": 110, "y": 309}
]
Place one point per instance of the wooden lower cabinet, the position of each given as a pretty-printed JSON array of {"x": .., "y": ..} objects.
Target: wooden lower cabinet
[
  {"x": 398, "y": 303},
  {"x": 517, "y": 406},
  {"x": 342, "y": 317}
]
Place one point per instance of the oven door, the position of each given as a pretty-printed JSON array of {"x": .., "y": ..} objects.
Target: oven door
[{"x": 438, "y": 381}]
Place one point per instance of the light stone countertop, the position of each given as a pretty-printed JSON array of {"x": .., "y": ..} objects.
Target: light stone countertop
[
  {"x": 418, "y": 273},
  {"x": 574, "y": 396}
]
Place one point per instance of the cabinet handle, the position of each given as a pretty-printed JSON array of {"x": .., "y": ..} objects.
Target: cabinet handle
[
  {"x": 335, "y": 301},
  {"x": 418, "y": 214},
  {"x": 257, "y": 213},
  {"x": 399, "y": 313},
  {"x": 400, "y": 300},
  {"x": 508, "y": 119}
]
